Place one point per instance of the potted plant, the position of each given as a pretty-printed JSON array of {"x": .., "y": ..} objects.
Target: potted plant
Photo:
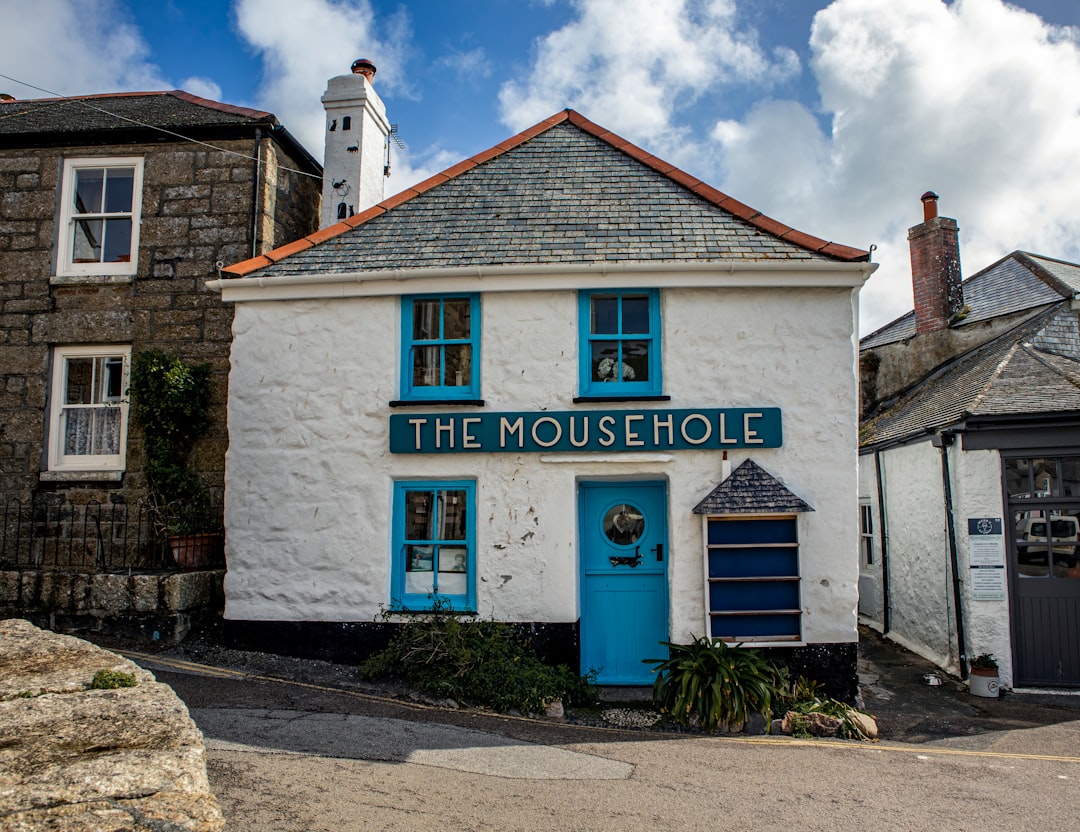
[
  {"x": 170, "y": 400},
  {"x": 983, "y": 676}
]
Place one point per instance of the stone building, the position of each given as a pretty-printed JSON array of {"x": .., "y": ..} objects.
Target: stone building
[
  {"x": 114, "y": 211},
  {"x": 563, "y": 384},
  {"x": 969, "y": 476}
]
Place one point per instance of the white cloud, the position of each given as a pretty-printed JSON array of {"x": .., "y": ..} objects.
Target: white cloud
[
  {"x": 304, "y": 42},
  {"x": 466, "y": 65},
  {"x": 978, "y": 100},
  {"x": 631, "y": 64},
  {"x": 72, "y": 48},
  {"x": 202, "y": 86}
]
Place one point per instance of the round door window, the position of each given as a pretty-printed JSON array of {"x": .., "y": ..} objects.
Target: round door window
[{"x": 624, "y": 524}]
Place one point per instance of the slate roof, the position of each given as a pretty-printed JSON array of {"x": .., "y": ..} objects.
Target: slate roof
[
  {"x": 88, "y": 119},
  {"x": 750, "y": 489},
  {"x": 1021, "y": 372},
  {"x": 1019, "y": 281},
  {"x": 563, "y": 191}
]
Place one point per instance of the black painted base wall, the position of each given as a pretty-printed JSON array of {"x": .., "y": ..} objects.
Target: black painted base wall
[
  {"x": 349, "y": 642},
  {"x": 833, "y": 666}
]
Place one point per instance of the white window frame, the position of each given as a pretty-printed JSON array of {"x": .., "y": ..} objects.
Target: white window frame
[
  {"x": 66, "y": 230},
  {"x": 866, "y": 532},
  {"x": 60, "y": 461}
]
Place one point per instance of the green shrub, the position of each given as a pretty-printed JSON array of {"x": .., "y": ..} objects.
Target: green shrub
[
  {"x": 477, "y": 661},
  {"x": 170, "y": 400},
  {"x": 110, "y": 679},
  {"x": 714, "y": 683},
  {"x": 804, "y": 697}
]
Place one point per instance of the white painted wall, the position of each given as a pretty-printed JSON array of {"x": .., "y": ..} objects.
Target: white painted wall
[
  {"x": 922, "y": 617},
  {"x": 309, "y": 477}
]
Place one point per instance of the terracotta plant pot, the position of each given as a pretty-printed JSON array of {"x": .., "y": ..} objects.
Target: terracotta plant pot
[
  {"x": 983, "y": 681},
  {"x": 194, "y": 550}
]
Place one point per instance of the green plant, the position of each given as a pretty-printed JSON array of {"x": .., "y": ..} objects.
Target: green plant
[
  {"x": 804, "y": 697},
  {"x": 110, "y": 679},
  {"x": 985, "y": 661},
  {"x": 479, "y": 661},
  {"x": 714, "y": 682},
  {"x": 170, "y": 400}
]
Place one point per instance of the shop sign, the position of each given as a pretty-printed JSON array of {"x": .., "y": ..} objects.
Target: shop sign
[{"x": 592, "y": 430}]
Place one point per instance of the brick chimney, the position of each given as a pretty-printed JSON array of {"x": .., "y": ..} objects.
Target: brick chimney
[{"x": 935, "y": 268}]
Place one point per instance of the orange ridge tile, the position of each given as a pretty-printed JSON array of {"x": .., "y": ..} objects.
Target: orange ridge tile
[
  {"x": 395, "y": 200},
  {"x": 289, "y": 248},
  {"x": 683, "y": 178},
  {"x": 486, "y": 155},
  {"x": 771, "y": 226},
  {"x": 430, "y": 182},
  {"x": 459, "y": 168},
  {"x": 739, "y": 209},
  {"x": 246, "y": 267},
  {"x": 363, "y": 216},
  {"x": 324, "y": 234},
  {"x": 801, "y": 238}
]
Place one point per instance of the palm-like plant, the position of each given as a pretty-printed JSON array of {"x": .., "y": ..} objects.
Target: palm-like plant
[{"x": 714, "y": 682}]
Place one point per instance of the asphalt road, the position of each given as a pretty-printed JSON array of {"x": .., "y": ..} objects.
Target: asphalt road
[{"x": 288, "y": 755}]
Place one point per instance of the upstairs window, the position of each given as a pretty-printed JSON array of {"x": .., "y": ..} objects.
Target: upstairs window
[
  {"x": 434, "y": 548},
  {"x": 620, "y": 343},
  {"x": 441, "y": 349},
  {"x": 88, "y": 416},
  {"x": 99, "y": 216}
]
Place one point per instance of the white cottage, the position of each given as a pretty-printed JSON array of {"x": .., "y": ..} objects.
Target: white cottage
[
  {"x": 970, "y": 467},
  {"x": 562, "y": 384}
]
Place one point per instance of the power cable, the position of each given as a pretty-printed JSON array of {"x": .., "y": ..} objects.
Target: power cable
[{"x": 82, "y": 101}]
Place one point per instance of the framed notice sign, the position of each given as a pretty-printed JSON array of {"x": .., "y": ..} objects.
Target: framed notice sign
[{"x": 986, "y": 557}]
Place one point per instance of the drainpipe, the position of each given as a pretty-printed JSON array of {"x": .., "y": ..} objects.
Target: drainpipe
[
  {"x": 883, "y": 522},
  {"x": 942, "y": 441},
  {"x": 255, "y": 201}
]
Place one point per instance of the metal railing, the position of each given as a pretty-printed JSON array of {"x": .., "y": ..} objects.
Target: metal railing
[{"x": 54, "y": 534}]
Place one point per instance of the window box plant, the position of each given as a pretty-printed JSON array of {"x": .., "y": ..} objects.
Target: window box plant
[{"x": 983, "y": 676}]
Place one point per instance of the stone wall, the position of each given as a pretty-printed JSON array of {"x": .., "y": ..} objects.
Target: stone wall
[
  {"x": 198, "y": 209},
  {"x": 77, "y": 759},
  {"x": 130, "y": 609}
]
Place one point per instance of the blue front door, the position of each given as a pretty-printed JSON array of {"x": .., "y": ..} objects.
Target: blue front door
[{"x": 624, "y": 599}]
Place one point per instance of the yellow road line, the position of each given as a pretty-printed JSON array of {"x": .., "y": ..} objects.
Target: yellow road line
[{"x": 221, "y": 672}]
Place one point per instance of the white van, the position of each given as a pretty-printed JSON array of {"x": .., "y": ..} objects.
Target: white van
[{"x": 1064, "y": 529}]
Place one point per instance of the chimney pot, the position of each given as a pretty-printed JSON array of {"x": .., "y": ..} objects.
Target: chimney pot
[
  {"x": 362, "y": 66},
  {"x": 929, "y": 205}
]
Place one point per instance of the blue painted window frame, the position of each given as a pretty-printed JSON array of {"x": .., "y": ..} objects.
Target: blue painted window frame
[
  {"x": 401, "y": 598},
  {"x": 414, "y": 392},
  {"x": 587, "y": 386}
]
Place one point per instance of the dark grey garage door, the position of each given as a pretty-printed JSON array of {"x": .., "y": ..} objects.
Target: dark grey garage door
[{"x": 1044, "y": 503}]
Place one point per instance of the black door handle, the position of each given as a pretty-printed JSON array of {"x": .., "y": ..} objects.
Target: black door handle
[{"x": 659, "y": 549}]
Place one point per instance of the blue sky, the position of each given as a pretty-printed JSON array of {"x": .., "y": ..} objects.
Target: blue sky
[{"x": 830, "y": 116}]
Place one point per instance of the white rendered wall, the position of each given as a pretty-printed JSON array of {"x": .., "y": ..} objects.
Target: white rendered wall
[
  {"x": 309, "y": 476},
  {"x": 922, "y": 617},
  {"x": 976, "y": 477},
  {"x": 920, "y": 589}
]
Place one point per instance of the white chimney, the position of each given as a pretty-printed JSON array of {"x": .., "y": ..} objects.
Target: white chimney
[{"x": 356, "y": 131}]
